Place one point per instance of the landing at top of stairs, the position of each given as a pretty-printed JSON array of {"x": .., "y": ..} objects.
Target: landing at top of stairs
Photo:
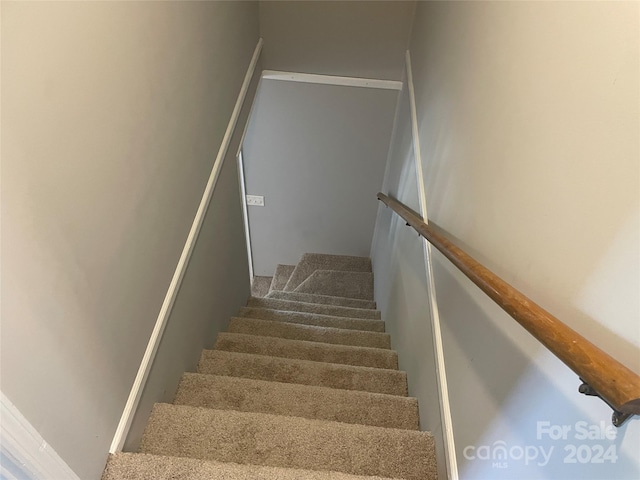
[{"x": 310, "y": 262}]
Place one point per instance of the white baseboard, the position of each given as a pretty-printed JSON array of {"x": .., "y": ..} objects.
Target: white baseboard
[
  {"x": 25, "y": 454},
  {"x": 443, "y": 389},
  {"x": 152, "y": 347}
]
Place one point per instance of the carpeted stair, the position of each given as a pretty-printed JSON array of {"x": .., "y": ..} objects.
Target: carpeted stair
[
  {"x": 311, "y": 262},
  {"x": 281, "y": 277},
  {"x": 341, "y": 336},
  {"x": 322, "y": 299},
  {"x": 260, "y": 286},
  {"x": 334, "y": 310},
  {"x": 313, "y": 319},
  {"x": 304, "y": 385},
  {"x": 339, "y": 283}
]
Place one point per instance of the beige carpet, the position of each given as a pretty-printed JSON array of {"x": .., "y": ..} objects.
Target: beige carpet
[
  {"x": 312, "y": 333},
  {"x": 333, "y": 310},
  {"x": 322, "y": 299},
  {"x": 305, "y": 350},
  {"x": 247, "y": 395},
  {"x": 281, "y": 277},
  {"x": 310, "y": 262},
  {"x": 339, "y": 283},
  {"x": 305, "y": 372},
  {"x": 260, "y": 286},
  {"x": 312, "y": 319},
  {"x": 277, "y": 440},
  {"x": 304, "y": 385},
  {"x": 159, "y": 467}
]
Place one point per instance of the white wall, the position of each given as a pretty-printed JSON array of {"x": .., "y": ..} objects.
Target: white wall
[
  {"x": 528, "y": 117},
  {"x": 357, "y": 39},
  {"x": 112, "y": 114},
  {"x": 317, "y": 153}
]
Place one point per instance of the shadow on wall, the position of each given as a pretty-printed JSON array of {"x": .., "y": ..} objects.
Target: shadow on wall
[{"x": 510, "y": 398}]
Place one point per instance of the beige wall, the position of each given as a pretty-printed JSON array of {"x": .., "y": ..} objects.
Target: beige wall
[
  {"x": 528, "y": 117},
  {"x": 112, "y": 114},
  {"x": 355, "y": 39}
]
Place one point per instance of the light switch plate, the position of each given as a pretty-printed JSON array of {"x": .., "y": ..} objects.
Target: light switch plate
[{"x": 255, "y": 200}]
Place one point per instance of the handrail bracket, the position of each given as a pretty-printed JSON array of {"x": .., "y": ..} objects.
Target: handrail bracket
[{"x": 618, "y": 418}]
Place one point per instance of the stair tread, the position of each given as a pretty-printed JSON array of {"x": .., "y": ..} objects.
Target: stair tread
[
  {"x": 291, "y": 442},
  {"x": 305, "y": 350},
  {"x": 315, "y": 333},
  {"x": 260, "y": 286},
  {"x": 281, "y": 277},
  {"x": 347, "y": 406},
  {"x": 322, "y": 299},
  {"x": 287, "y": 370},
  {"x": 145, "y": 466},
  {"x": 304, "y": 318},
  {"x": 332, "y": 310}
]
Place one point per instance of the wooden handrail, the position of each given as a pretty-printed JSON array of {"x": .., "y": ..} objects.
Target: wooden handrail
[{"x": 602, "y": 375}]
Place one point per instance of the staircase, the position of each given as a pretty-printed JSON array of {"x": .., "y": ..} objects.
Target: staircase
[{"x": 303, "y": 385}]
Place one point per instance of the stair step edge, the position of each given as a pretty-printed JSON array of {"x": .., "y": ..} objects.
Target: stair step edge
[
  {"x": 307, "y": 401},
  {"x": 307, "y": 350},
  {"x": 297, "y": 331},
  {"x": 286, "y": 442},
  {"x": 305, "y": 372},
  {"x": 143, "y": 466}
]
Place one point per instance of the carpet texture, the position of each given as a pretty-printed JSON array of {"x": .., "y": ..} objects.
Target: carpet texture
[
  {"x": 304, "y": 318},
  {"x": 312, "y": 333},
  {"x": 276, "y": 440},
  {"x": 337, "y": 283},
  {"x": 305, "y": 350},
  {"x": 332, "y": 310},
  {"x": 144, "y": 466},
  {"x": 310, "y": 262},
  {"x": 305, "y": 372},
  {"x": 281, "y": 277},
  {"x": 247, "y": 395},
  {"x": 303, "y": 385},
  {"x": 322, "y": 299},
  {"x": 260, "y": 286}
]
